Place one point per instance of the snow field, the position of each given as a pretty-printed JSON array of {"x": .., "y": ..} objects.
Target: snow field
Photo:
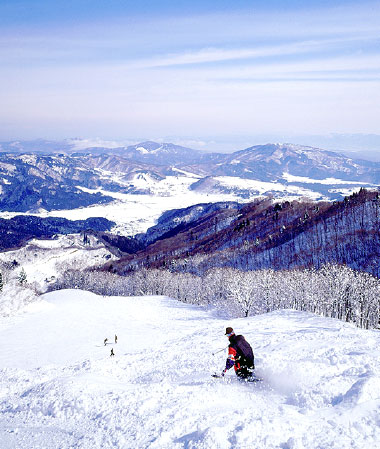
[
  {"x": 43, "y": 260},
  {"x": 135, "y": 213},
  {"x": 61, "y": 389}
]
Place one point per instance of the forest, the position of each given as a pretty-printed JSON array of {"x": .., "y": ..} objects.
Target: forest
[{"x": 335, "y": 291}]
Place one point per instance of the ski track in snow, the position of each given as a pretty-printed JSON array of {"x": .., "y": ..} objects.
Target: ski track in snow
[{"x": 61, "y": 389}]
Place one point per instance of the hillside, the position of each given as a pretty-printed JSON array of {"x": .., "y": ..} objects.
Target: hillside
[
  {"x": 60, "y": 387},
  {"x": 43, "y": 261},
  {"x": 266, "y": 234},
  {"x": 17, "y": 231}
]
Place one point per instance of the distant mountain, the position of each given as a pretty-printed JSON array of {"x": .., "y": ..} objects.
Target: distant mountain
[
  {"x": 270, "y": 162},
  {"x": 36, "y": 146},
  {"x": 160, "y": 153},
  {"x": 70, "y": 175},
  {"x": 147, "y": 152},
  {"x": 30, "y": 182}
]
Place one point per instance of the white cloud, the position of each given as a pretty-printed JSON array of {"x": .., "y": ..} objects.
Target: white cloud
[
  {"x": 209, "y": 55},
  {"x": 310, "y": 72}
]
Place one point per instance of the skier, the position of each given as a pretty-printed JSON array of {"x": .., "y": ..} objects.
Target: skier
[
  {"x": 105, "y": 341},
  {"x": 240, "y": 355},
  {"x": 112, "y": 353},
  {"x": 115, "y": 338}
]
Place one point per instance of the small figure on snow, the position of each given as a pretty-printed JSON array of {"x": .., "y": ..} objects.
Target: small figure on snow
[
  {"x": 240, "y": 355},
  {"x": 112, "y": 353},
  {"x": 115, "y": 338},
  {"x": 105, "y": 341}
]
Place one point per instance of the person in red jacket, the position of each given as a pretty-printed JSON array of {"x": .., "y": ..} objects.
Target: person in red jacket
[{"x": 240, "y": 355}]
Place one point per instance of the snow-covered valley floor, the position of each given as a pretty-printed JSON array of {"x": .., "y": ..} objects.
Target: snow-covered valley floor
[
  {"x": 61, "y": 389},
  {"x": 134, "y": 213}
]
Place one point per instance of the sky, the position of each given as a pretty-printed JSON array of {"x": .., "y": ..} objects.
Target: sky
[{"x": 209, "y": 74}]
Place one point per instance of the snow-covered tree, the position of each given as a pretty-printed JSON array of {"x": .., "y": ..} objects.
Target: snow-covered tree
[
  {"x": 22, "y": 277},
  {"x": 241, "y": 287},
  {"x": 335, "y": 291}
]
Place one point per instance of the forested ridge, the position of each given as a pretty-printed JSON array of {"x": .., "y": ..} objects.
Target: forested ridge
[
  {"x": 316, "y": 257},
  {"x": 271, "y": 235}
]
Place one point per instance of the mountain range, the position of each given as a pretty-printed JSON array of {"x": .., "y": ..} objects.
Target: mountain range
[{"x": 45, "y": 176}]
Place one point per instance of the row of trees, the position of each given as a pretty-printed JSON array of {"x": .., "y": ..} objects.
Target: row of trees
[{"x": 332, "y": 291}]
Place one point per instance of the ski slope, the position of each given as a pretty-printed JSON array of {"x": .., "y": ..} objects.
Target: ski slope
[{"x": 61, "y": 389}]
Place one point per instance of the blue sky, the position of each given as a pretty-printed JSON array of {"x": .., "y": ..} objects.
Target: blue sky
[{"x": 203, "y": 72}]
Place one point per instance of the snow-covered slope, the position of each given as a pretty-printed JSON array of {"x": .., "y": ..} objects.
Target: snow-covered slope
[
  {"x": 250, "y": 189},
  {"x": 43, "y": 261},
  {"x": 61, "y": 389}
]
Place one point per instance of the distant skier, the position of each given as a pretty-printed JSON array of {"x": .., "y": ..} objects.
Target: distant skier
[
  {"x": 112, "y": 353},
  {"x": 115, "y": 338},
  {"x": 105, "y": 341},
  {"x": 240, "y": 355}
]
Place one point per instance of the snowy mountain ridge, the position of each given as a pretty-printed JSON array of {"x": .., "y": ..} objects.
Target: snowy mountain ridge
[{"x": 44, "y": 182}]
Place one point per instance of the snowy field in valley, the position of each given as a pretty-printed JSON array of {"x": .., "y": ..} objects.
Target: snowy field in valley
[
  {"x": 135, "y": 213},
  {"x": 61, "y": 389},
  {"x": 132, "y": 213}
]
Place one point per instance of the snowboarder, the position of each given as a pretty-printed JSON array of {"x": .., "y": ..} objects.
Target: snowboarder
[
  {"x": 240, "y": 355},
  {"x": 115, "y": 338},
  {"x": 105, "y": 341},
  {"x": 112, "y": 353}
]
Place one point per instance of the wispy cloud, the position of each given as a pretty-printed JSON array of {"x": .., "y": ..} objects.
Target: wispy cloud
[
  {"x": 210, "y": 55},
  {"x": 314, "y": 70}
]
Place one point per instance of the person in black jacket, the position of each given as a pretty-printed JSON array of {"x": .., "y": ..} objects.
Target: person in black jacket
[{"x": 240, "y": 355}]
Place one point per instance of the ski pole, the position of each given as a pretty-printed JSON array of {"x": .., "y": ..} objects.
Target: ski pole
[{"x": 220, "y": 350}]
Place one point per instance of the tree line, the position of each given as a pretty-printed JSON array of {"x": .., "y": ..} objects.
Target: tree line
[{"x": 335, "y": 291}]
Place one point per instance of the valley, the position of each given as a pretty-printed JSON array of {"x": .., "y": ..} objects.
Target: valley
[{"x": 132, "y": 186}]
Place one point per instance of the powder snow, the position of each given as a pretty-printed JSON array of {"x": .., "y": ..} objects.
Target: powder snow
[{"x": 60, "y": 388}]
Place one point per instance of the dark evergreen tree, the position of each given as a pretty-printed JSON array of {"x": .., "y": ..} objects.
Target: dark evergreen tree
[{"x": 22, "y": 278}]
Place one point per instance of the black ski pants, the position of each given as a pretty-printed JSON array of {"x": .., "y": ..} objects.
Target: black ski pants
[{"x": 245, "y": 369}]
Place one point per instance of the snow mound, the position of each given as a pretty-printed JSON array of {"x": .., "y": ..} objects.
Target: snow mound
[
  {"x": 363, "y": 390},
  {"x": 61, "y": 388}
]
